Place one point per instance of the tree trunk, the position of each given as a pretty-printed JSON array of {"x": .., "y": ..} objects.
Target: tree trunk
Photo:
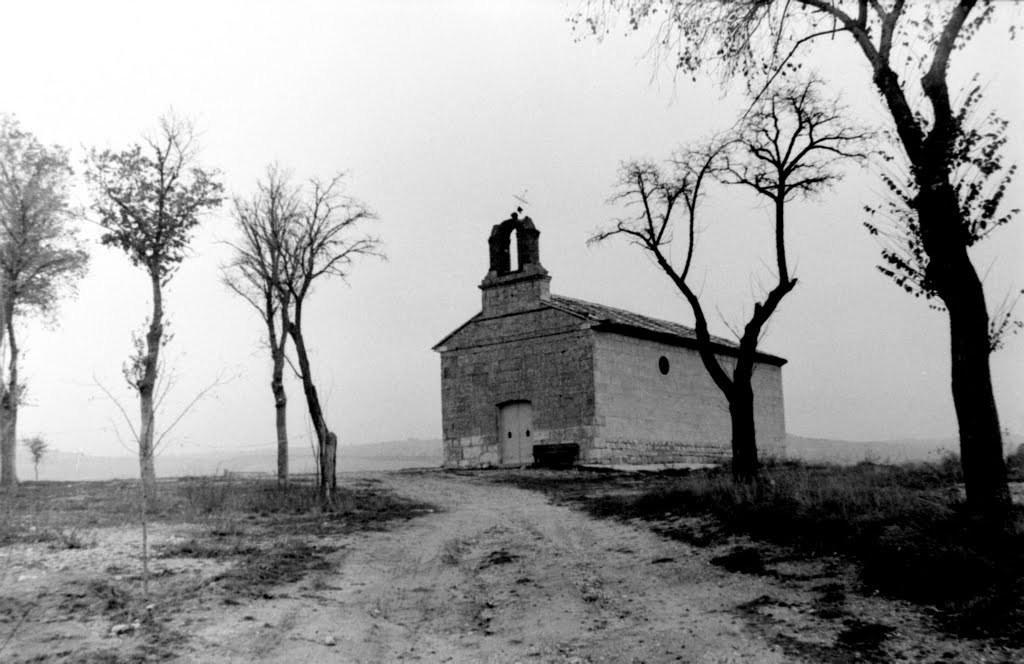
[
  {"x": 147, "y": 387},
  {"x": 278, "y": 348},
  {"x": 744, "y": 436},
  {"x": 281, "y": 411},
  {"x": 147, "y": 470},
  {"x": 9, "y": 406},
  {"x": 952, "y": 275},
  {"x": 326, "y": 450},
  {"x": 8, "y": 475},
  {"x": 981, "y": 445},
  {"x": 328, "y": 459}
]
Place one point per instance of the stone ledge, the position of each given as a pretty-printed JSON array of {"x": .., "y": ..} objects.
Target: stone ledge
[{"x": 647, "y": 467}]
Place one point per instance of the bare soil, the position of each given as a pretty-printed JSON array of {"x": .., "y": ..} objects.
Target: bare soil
[{"x": 494, "y": 573}]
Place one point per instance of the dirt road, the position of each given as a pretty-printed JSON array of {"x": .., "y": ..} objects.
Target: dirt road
[{"x": 500, "y": 575}]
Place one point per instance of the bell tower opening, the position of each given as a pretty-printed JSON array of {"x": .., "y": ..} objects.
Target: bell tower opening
[
  {"x": 513, "y": 251},
  {"x": 516, "y": 281}
]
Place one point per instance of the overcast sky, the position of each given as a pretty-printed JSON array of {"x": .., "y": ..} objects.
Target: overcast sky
[{"x": 441, "y": 113}]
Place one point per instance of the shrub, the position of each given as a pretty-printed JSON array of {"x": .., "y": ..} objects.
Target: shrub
[{"x": 209, "y": 495}]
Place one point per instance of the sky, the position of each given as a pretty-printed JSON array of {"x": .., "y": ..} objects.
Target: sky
[{"x": 440, "y": 114}]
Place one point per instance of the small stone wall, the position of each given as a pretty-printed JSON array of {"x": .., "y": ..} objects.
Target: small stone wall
[{"x": 644, "y": 452}]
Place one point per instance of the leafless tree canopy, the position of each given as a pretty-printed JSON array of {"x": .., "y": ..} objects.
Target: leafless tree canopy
[
  {"x": 291, "y": 238},
  {"x": 257, "y": 272},
  {"x": 321, "y": 244},
  {"x": 793, "y": 143},
  {"x": 264, "y": 221},
  {"x": 790, "y": 145}
]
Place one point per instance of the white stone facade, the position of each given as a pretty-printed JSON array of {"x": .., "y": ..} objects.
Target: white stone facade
[{"x": 643, "y": 416}]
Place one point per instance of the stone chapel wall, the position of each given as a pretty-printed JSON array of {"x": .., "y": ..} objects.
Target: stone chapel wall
[
  {"x": 540, "y": 356},
  {"x": 645, "y": 417}
]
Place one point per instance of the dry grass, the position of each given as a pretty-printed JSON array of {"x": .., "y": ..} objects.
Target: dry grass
[
  {"x": 265, "y": 534},
  {"x": 258, "y": 525},
  {"x": 905, "y": 526},
  {"x": 45, "y": 511}
]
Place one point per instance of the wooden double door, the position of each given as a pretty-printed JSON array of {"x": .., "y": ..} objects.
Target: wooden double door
[{"x": 515, "y": 423}]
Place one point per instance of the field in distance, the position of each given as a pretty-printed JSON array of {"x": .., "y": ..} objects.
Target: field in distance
[{"x": 60, "y": 465}]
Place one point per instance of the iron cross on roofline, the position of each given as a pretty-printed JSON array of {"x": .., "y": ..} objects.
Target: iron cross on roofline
[{"x": 522, "y": 202}]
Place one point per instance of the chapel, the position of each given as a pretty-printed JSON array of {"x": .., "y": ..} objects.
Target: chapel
[{"x": 535, "y": 373}]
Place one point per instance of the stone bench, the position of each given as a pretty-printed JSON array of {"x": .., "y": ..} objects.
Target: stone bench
[{"x": 556, "y": 456}]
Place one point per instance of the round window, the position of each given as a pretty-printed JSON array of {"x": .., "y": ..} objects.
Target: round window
[{"x": 663, "y": 365}]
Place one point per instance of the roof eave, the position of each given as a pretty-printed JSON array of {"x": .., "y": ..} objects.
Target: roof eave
[
  {"x": 683, "y": 342},
  {"x": 439, "y": 346}
]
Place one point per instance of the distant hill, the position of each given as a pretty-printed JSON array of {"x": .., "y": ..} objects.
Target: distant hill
[
  {"x": 390, "y": 455},
  {"x": 425, "y": 453},
  {"x": 886, "y": 451}
]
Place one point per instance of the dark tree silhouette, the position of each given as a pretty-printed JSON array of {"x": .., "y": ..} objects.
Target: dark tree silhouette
[
  {"x": 257, "y": 274},
  {"x": 789, "y": 145},
  {"x": 149, "y": 198},
  {"x": 40, "y": 255},
  {"x": 981, "y": 180},
  {"x": 908, "y": 47}
]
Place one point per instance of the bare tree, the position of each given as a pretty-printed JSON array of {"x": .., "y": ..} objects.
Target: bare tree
[
  {"x": 37, "y": 449},
  {"x": 788, "y": 146},
  {"x": 257, "y": 274},
  {"x": 908, "y": 47},
  {"x": 40, "y": 255},
  {"x": 149, "y": 198},
  {"x": 320, "y": 244}
]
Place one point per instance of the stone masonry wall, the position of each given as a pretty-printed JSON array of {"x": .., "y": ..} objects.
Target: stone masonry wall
[
  {"x": 644, "y": 417},
  {"x": 515, "y": 294},
  {"x": 543, "y": 356}
]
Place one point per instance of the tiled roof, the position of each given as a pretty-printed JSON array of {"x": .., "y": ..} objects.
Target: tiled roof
[{"x": 627, "y": 319}]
